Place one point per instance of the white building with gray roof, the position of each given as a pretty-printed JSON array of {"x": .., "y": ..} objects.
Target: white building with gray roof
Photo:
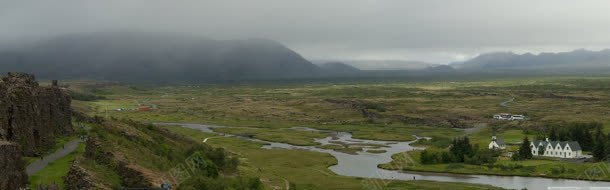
[
  {"x": 559, "y": 149},
  {"x": 496, "y": 142}
]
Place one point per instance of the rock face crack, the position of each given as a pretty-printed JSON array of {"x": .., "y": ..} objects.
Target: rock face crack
[{"x": 9, "y": 130}]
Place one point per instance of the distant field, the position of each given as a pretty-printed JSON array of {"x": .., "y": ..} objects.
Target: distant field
[
  {"x": 394, "y": 109},
  {"x": 388, "y": 111}
]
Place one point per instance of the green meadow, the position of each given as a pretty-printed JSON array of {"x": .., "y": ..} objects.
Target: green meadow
[
  {"x": 305, "y": 169},
  {"x": 394, "y": 111},
  {"x": 56, "y": 170}
]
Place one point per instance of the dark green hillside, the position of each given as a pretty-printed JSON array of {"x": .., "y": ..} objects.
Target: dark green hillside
[
  {"x": 156, "y": 58},
  {"x": 125, "y": 153}
]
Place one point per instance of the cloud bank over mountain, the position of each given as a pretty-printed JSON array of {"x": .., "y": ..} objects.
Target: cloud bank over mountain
[
  {"x": 436, "y": 31},
  {"x": 157, "y": 57}
]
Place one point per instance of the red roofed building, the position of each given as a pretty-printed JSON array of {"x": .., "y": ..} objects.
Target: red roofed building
[{"x": 145, "y": 108}]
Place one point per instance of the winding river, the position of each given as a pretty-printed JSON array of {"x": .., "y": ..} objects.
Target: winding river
[{"x": 364, "y": 164}]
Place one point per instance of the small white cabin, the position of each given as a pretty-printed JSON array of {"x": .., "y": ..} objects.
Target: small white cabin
[{"x": 496, "y": 143}]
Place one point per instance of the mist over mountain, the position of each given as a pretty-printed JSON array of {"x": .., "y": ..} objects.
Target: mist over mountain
[
  {"x": 577, "y": 61},
  {"x": 385, "y": 64},
  {"x": 156, "y": 57},
  {"x": 338, "y": 68},
  {"x": 439, "y": 69},
  {"x": 168, "y": 57}
]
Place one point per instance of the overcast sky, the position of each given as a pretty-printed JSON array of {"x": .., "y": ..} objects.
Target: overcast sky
[{"x": 438, "y": 31}]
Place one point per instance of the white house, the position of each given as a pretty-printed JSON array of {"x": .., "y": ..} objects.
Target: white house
[
  {"x": 559, "y": 149},
  {"x": 496, "y": 143}
]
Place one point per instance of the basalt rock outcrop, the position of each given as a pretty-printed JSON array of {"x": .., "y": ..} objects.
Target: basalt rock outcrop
[
  {"x": 12, "y": 167},
  {"x": 131, "y": 175},
  {"x": 364, "y": 107},
  {"x": 32, "y": 116},
  {"x": 80, "y": 178}
]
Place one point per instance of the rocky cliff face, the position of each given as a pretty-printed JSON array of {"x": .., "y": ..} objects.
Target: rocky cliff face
[
  {"x": 32, "y": 116},
  {"x": 131, "y": 174},
  {"x": 79, "y": 178},
  {"x": 12, "y": 167}
]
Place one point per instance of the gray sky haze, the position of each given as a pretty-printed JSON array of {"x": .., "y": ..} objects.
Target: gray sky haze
[{"x": 438, "y": 31}]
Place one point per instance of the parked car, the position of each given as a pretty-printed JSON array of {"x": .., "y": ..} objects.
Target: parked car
[
  {"x": 509, "y": 117},
  {"x": 517, "y": 117}
]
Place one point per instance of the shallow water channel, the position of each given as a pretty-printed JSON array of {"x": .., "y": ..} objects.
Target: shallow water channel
[{"x": 364, "y": 164}]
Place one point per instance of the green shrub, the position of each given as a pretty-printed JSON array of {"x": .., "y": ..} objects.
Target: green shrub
[
  {"x": 84, "y": 96},
  {"x": 454, "y": 166}
]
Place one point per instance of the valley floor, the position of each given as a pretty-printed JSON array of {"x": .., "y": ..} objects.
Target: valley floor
[
  {"x": 305, "y": 169},
  {"x": 393, "y": 111},
  {"x": 537, "y": 167}
]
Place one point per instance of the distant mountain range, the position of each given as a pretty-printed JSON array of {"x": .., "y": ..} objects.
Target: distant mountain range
[
  {"x": 338, "y": 68},
  {"x": 386, "y": 64},
  {"x": 505, "y": 63},
  {"x": 157, "y": 57},
  {"x": 164, "y": 57},
  {"x": 577, "y": 61}
]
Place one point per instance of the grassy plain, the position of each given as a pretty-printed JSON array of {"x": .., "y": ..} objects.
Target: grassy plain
[
  {"x": 59, "y": 143},
  {"x": 394, "y": 111},
  {"x": 305, "y": 169},
  {"x": 55, "y": 171},
  {"x": 284, "y": 135},
  {"x": 405, "y": 105}
]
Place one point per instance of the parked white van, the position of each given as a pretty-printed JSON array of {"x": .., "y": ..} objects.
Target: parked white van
[
  {"x": 509, "y": 117},
  {"x": 517, "y": 117},
  {"x": 505, "y": 116}
]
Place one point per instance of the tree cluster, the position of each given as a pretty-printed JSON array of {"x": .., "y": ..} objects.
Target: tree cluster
[
  {"x": 525, "y": 151},
  {"x": 461, "y": 151},
  {"x": 597, "y": 142},
  {"x": 601, "y": 146},
  {"x": 580, "y": 132}
]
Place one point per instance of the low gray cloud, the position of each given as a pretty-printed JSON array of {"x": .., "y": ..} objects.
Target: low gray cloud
[{"x": 427, "y": 30}]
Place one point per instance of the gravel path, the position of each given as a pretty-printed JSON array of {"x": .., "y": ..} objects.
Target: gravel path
[
  {"x": 40, "y": 164},
  {"x": 505, "y": 103}
]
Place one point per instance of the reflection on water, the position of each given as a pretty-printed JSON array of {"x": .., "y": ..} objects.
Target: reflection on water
[{"x": 364, "y": 164}]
